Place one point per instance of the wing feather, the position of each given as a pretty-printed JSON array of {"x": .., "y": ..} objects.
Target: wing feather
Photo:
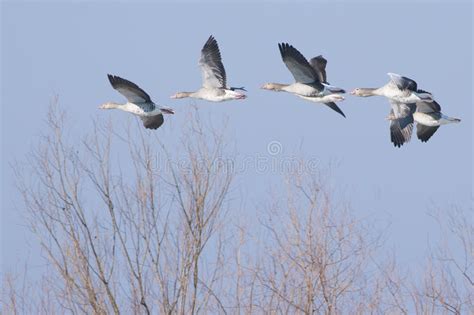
[
  {"x": 130, "y": 90},
  {"x": 297, "y": 64},
  {"x": 424, "y": 133},
  {"x": 152, "y": 122},
  {"x": 428, "y": 107},
  {"x": 213, "y": 71},
  {"x": 319, "y": 65},
  {"x": 334, "y": 107},
  {"x": 401, "y": 125},
  {"x": 403, "y": 82}
]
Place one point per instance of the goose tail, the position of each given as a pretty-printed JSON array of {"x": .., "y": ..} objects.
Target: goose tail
[
  {"x": 167, "y": 110},
  {"x": 233, "y": 88},
  {"x": 333, "y": 89}
]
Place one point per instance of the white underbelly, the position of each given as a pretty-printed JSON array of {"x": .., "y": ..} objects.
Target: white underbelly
[
  {"x": 300, "y": 89},
  {"x": 212, "y": 95},
  {"x": 405, "y": 97},
  {"x": 134, "y": 109},
  {"x": 315, "y": 99},
  {"x": 214, "y": 98},
  {"x": 395, "y": 94},
  {"x": 137, "y": 110},
  {"x": 425, "y": 119},
  {"x": 324, "y": 99},
  {"x": 152, "y": 113},
  {"x": 390, "y": 93}
]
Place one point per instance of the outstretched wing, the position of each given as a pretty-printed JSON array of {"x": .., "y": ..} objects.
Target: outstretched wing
[
  {"x": 319, "y": 65},
  {"x": 297, "y": 64},
  {"x": 424, "y": 133},
  {"x": 130, "y": 90},
  {"x": 213, "y": 72},
  {"x": 403, "y": 82},
  {"x": 152, "y": 122},
  {"x": 428, "y": 107},
  {"x": 334, "y": 107},
  {"x": 401, "y": 124}
]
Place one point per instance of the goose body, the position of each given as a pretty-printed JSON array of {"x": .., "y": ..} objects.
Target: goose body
[
  {"x": 302, "y": 89},
  {"x": 403, "y": 95},
  {"x": 214, "y": 81},
  {"x": 399, "y": 88},
  {"x": 310, "y": 79},
  {"x": 429, "y": 118},
  {"x": 139, "y": 103},
  {"x": 138, "y": 109},
  {"x": 434, "y": 119},
  {"x": 211, "y": 94},
  {"x": 324, "y": 98}
]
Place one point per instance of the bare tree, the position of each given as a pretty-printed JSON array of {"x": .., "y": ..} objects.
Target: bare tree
[
  {"x": 318, "y": 257},
  {"x": 447, "y": 286},
  {"x": 130, "y": 224},
  {"x": 129, "y": 239},
  {"x": 443, "y": 284}
]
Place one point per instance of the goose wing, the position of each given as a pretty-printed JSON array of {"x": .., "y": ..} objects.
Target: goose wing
[
  {"x": 401, "y": 124},
  {"x": 213, "y": 72},
  {"x": 428, "y": 107},
  {"x": 403, "y": 82},
  {"x": 424, "y": 133},
  {"x": 334, "y": 107},
  {"x": 319, "y": 65},
  {"x": 152, "y": 122},
  {"x": 297, "y": 64},
  {"x": 130, "y": 90}
]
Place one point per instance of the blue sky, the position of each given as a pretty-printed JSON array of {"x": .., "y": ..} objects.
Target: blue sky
[{"x": 53, "y": 49}]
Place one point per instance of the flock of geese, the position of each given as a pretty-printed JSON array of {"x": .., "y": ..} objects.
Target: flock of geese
[{"x": 408, "y": 103}]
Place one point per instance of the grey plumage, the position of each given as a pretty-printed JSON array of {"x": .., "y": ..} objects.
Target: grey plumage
[
  {"x": 428, "y": 107},
  {"x": 153, "y": 122},
  {"x": 433, "y": 109},
  {"x": 299, "y": 67},
  {"x": 132, "y": 92},
  {"x": 424, "y": 133},
  {"x": 213, "y": 70},
  {"x": 312, "y": 73},
  {"x": 334, "y": 107},
  {"x": 403, "y": 82},
  {"x": 319, "y": 65},
  {"x": 138, "y": 97},
  {"x": 401, "y": 124},
  {"x": 400, "y": 131}
]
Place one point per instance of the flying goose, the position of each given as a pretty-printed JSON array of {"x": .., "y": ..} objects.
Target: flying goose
[
  {"x": 310, "y": 78},
  {"x": 401, "y": 122},
  {"x": 428, "y": 118},
  {"x": 214, "y": 82},
  {"x": 403, "y": 94},
  {"x": 399, "y": 88},
  {"x": 139, "y": 103}
]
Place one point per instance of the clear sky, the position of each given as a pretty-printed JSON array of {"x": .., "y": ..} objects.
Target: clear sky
[{"x": 50, "y": 49}]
